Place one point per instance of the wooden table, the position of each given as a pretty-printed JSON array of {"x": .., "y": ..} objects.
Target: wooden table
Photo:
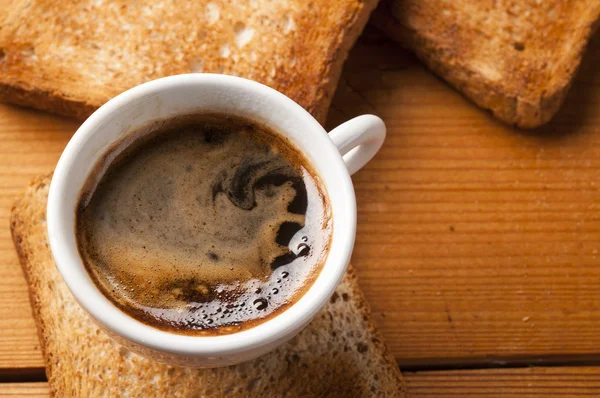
[{"x": 478, "y": 245}]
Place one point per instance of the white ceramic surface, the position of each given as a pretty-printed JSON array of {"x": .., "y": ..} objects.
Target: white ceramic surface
[{"x": 358, "y": 139}]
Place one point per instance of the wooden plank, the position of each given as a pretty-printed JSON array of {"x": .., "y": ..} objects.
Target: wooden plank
[
  {"x": 475, "y": 242},
  {"x": 29, "y": 390},
  {"x": 31, "y": 144},
  {"x": 522, "y": 383}
]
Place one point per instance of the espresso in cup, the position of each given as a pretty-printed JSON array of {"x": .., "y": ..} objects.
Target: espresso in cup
[{"x": 203, "y": 224}]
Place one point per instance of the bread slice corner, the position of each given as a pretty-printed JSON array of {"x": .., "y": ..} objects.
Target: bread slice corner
[{"x": 516, "y": 59}]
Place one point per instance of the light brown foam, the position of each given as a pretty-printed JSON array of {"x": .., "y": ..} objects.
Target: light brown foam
[{"x": 183, "y": 228}]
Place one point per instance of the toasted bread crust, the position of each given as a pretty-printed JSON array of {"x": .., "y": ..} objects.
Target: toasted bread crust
[
  {"x": 23, "y": 253},
  {"x": 515, "y": 59},
  {"x": 71, "y": 57},
  {"x": 338, "y": 354},
  {"x": 45, "y": 101}
]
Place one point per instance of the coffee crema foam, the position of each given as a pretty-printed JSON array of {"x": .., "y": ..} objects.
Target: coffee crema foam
[{"x": 203, "y": 224}]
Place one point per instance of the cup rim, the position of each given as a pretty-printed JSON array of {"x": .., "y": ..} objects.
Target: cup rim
[{"x": 275, "y": 329}]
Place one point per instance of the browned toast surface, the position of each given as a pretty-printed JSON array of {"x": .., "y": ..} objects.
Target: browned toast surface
[
  {"x": 70, "y": 57},
  {"x": 338, "y": 355},
  {"x": 515, "y": 58}
]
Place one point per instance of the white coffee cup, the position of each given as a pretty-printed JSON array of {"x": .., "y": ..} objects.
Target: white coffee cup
[{"x": 356, "y": 140}]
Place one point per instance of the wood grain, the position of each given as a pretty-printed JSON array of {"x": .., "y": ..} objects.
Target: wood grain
[
  {"x": 523, "y": 383},
  {"x": 28, "y": 390},
  {"x": 476, "y": 242},
  {"x": 31, "y": 144}
]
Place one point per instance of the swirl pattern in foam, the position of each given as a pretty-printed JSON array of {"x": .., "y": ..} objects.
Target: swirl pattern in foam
[{"x": 204, "y": 224}]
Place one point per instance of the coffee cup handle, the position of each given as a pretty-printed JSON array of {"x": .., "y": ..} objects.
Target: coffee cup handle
[{"x": 358, "y": 140}]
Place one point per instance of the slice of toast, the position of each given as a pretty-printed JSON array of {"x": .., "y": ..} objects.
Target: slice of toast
[
  {"x": 70, "y": 57},
  {"x": 338, "y": 355},
  {"x": 515, "y": 58}
]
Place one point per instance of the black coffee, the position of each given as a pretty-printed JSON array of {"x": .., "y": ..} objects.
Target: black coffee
[{"x": 203, "y": 224}]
